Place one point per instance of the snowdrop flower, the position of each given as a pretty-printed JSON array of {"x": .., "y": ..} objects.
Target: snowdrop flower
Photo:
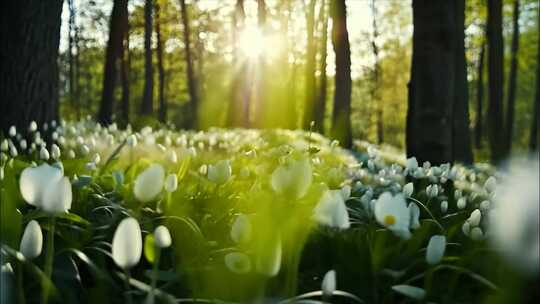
[
  {"x": 171, "y": 183},
  {"x": 462, "y": 203},
  {"x": 32, "y": 240},
  {"x": 238, "y": 262},
  {"x": 220, "y": 173},
  {"x": 12, "y": 131},
  {"x": 55, "y": 152},
  {"x": 172, "y": 157},
  {"x": 84, "y": 150},
  {"x": 474, "y": 218},
  {"x": 149, "y": 183},
  {"x": 5, "y": 145},
  {"x": 411, "y": 164},
  {"x": 131, "y": 140},
  {"x": 444, "y": 206},
  {"x": 269, "y": 261},
  {"x": 331, "y": 210},
  {"x": 476, "y": 234},
  {"x": 127, "y": 243},
  {"x": 71, "y": 154},
  {"x": 392, "y": 212},
  {"x": 346, "y": 192},
  {"x": 414, "y": 212},
  {"x": 466, "y": 228},
  {"x": 45, "y": 187},
  {"x": 408, "y": 189},
  {"x": 435, "y": 249},
  {"x": 293, "y": 179},
  {"x": 162, "y": 237},
  {"x": 514, "y": 227},
  {"x": 13, "y": 151},
  {"x": 32, "y": 127},
  {"x": 203, "y": 169},
  {"x": 432, "y": 190},
  {"x": 241, "y": 229},
  {"x": 484, "y": 206},
  {"x": 328, "y": 285},
  {"x": 96, "y": 159},
  {"x": 490, "y": 184}
]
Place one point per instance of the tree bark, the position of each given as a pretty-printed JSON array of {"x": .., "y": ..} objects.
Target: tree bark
[
  {"x": 376, "y": 77},
  {"x": 71, "y": 63},
  {"x": 479, "y": 98},
  {"x": 320, "y": 104},
  {"x": 147, "y": 105},
  {"x": 431, "y": 88},
  {"x": 341, "y": 116},
  {"x": 161, "y": 70},
  {"x": 512, "y": 79},
  {"x": 125, "y": 73},
  {"x": 29, "y": 39},
  {"x": 112, "y": 55},
  {"x": 192, "y": 82},
  {"x": 461, "y": 132},
  {"x": 309, "y": 102},
  {"x": 495, "y": 80},
  {"x": 534, "y": 137}
]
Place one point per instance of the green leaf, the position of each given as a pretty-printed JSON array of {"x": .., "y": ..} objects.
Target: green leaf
[
  {"x": 409, "y": 291},
  {"x": 150, "y": 248},
  {"x": 82, "y": 181}
]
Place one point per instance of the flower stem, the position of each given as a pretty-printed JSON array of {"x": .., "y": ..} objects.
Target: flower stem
[
  {"x": 20, "y": 289},
  {"x": 155, "y": 269},
  {"x": 49, "y": 258},
  {"x": 127, "y": 293}
]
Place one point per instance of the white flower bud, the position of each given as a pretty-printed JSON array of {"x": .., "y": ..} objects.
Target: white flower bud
[
  {"x": 32, "y": 240},
  {"x": 162, "y": 237}
]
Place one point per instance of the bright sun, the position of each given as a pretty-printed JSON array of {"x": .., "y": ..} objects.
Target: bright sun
[{"x": 252, "y": 42}]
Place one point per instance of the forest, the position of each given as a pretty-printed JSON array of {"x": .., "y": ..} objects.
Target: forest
[{"x": 269, "y": 151}]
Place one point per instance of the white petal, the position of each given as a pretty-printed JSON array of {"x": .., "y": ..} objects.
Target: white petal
[
  {"x": 293, "y": 179},
  {"x": 34, "y": 182},
  {"x": 475, "y": 218},
  {"x": 149, "y": 183},
  {"x": 414, "y": 212},
  {"x": 127, "y": 243},
  {"x": 57, "y": 197},
  {"x": 171, "y": 183},
  {"x": 32, "y": 240},
  {"x": 241, "y": 229},
  {"x": 220, "y": 173},
  {"x": 435, "y": 249},
  {"x": 332, "y": 211},
  {"x": 162, "y": 237},
  {"x": 328, "y": 285},
  {"x": 408, "y": 189}
]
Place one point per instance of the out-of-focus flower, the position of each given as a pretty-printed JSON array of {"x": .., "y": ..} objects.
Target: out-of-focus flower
[
  {"x": 490, "y": 184},
  {"x": 172, "y": 157},
  {"x": 477, "y": 234},
  {"x": 127, "y": 243},
  {"x": 33, "y": 126},
  {"x": 435, "y": 249},
  {"x": 131, "y": 140},
  {"x": 269, "y": 260},
  {"x": 414, "y": 211},
  {"x": 392, "y": 212},
  {"x": 55, "y": 152},
  {"x": 241, "y": 229},
  {"x": 462, "y": 203},
  {"x": 149, "y": 183},
  {"x": 43, "y": 153},
  {"x": 408, "y": 189},
  {"x": 238, "y": 262},
  {"x": 220, "y": 173},
  {"x": 514, "y": 227},
  {"x": 171, "y": 183},
  {"x": 328, "y": 284},
  {"x": 32, "y": 240},
  {"x": 474, "y": 218},
  {"x": 293, "y": 178},
  {"x": 162, "y": 237},
  {"x": 331, "y": 210},
  {"x": 12, "y": 131},
  {"x": 444, "y": 206},
  {"x": 432, "y": 190},
  {"x": 45, "y": 187},
  {"x": 411, "y": 164}
]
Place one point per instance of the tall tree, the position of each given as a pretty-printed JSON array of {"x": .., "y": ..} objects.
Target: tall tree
[
  {"x": 259, "y": 83},
  {"x": 147, "y": 105},
  {"x": 192, "y": 82},
  {"x": 376, "y": 75},
  {"x": 461, "y": 138},
  {"x": 431, "y": 87},
  {"x": 125, "y": 74},
  {"x": 495, "y": 79},
  {"x": 341, "y": 115},
  {"x": 310, "y": 79},
  {"x": 479, "y": 98},
  {"x": 30, "y": 36},
  {"x": 162, "y": 115},
  {"x": 320, "y": 102},
  {"x": 112, "y": 55},
  {"x": 70, "y": 53},
  {"x": 534, "y": 138},
  {"x": 512, "y": 79}
]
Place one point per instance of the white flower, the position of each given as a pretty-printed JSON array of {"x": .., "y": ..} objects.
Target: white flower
[
  {"x": 475, "y": 217},
  {"x": 466, "y": 228},
  {"x": 514, "y": 227},
  {"x": 1, "y": 173},
  {"x": 411, "y": 164},
  {"x": 131, "y": 140},
  {"x": 96, "y": 159},
  {"x": 55, "y": 152},
  {"x": 293, "y": 179},
  {"x": 13, "y": 151},
  {"x": 45, "y": 187},
  {"x": 149, "y": 183},
  {"x": 241, "y": 229},
  {"x": 43, "y": 153},
  {"x": 328, "y": 285},
  {"x": 331, "y": 210},
  {"x": 162, "y": 237},
  {"x": 444, "y": 206},
  {"x": 32, "y": 127},
  {"x": 462, "y": 203},
  {"x": 32, "y": 240},
  {"x": 490, "y": 184},
  {"x": 171, "y": 183},
  {"x": 84, "y": 149},
  {"x": 5, "y": 145},
  {"x": 346, "y": 192},
  {"x": 12, "y": 131},
  {"x": 172, "y": 157},
  {"x": 484, "y": 206},
  {"x": 71, "y": 154},
  {"x": 220, "y": 173},
  {"x": 476, "y": 234},
  {"x": 414, "y": 212},
  {"x": 392, "y": 212},
  {"x": 238, "y": 262},
  {"x": 127, "y": 243},
  {"x": 408, "y": 189},
  {"x": 269, "y": 260},
  {"x": 432, "y": 191},
  {"x": 435, "y": 249}
]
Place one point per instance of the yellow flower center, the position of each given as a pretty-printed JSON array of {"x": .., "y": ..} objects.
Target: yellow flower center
[{"x": 389, "y": 220}]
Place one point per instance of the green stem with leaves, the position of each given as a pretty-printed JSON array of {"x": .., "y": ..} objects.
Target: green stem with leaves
[{"x": 49, "y": 257}]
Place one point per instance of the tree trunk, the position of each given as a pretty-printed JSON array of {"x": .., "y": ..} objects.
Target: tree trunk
[
  {"x": 309, "y": 102},
  {"x": 259, "y": 87},
  {"x": 534, "y": 137},
  {"x": 431, "y": 88},
  {"x": 147, "y": 105},
  {"x": 29, "y": 39},
  {"x": 192, "y": 83},
  {"x": 495, "y": 79},
  {"x": 125, "y": 69},
  {"x": 461, "y": 142},
  {"x": 77, "y": 70},
  {"x": 161, "y": 70},
  {"x": 512, "y": 79},
  {"x": 320, "y": 104},
  {"x": 376, "y": 77},
  {"x": 341, "y": 116},
  {"x": 71, "y": 63},
  {"x": 479, "y": 98},
  {"x": 112, "y": 55}
]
